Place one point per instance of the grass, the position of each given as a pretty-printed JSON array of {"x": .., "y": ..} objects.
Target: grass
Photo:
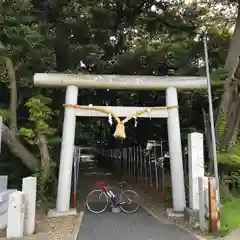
[{"x": 230, "y": 216}]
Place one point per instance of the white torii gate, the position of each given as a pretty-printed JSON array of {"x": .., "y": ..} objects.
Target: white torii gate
[{"x": 74, "y": 81}]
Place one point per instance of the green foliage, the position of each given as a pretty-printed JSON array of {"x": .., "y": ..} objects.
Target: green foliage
[
  {"x": 219, "y": 75},
  {"x": 230, "y": 157},
  {"x": 39, "y": 114},
  {"x": 230, "y": 216},
  {"x": 234, "y": 180},
  {"x": 222, "y": 125},
  {"x": 54, "y": 140},
  {"x": 5, "y": 114},
  {"x": 44, "y": 191},
  {"x": 26, "y": 133},
  {"x": 23, "y": 41}
]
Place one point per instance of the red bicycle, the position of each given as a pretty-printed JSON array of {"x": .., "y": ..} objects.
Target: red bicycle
[{"x": 99, "y": 199}]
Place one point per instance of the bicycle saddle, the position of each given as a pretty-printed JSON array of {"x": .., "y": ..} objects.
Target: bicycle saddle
[
  {"x": 101, "y": 182},
  {"x": 123, "y": 183}
]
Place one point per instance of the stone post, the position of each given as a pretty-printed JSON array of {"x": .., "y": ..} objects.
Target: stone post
[
  {"x": 203, "y": 203},
  {"x": 16, "y": 210},
  {"x": 29, "y": 188},
  {"x": 195, "y": 167}
]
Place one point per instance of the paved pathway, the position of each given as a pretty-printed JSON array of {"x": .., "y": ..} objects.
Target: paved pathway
[
  {"x": 235, "y": 235},
  {"x": 121, "y": 226}
]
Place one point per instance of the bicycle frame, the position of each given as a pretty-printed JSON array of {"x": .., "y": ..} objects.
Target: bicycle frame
[
  {"x": 106, "y": 189},
  {"x": 110, "y": 193}
]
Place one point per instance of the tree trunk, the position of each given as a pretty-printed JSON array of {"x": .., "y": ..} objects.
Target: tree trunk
[
  {"x": 16, "y": 147},
  {"x": 229, "y": 114},
  {"x": 234, "y": 47},
  {"x": 13, "y": 92},
  {"x": 229, "y": 109},
  {"x": 45, "y": 157}
]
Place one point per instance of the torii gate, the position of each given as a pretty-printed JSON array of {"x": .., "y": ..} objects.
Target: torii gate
[{"x": 74, "y": 81}]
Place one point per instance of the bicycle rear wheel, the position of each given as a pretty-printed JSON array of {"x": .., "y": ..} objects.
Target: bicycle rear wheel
[
  {"x": 130, "y": 203},
  {"x": 97, "y": 201}
]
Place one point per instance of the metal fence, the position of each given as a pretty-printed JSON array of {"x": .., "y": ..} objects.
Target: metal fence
[{"x": 141, "y": 165}]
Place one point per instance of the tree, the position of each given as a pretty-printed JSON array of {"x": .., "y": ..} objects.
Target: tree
[
  {"x": 20, "y": 40},
  {"x": 38, "y": 132},
  {"x": 120, "y": 37},
  {"x": 229, "y": 109}
]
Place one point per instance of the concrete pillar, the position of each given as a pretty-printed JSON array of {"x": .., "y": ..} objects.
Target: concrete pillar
[
  {"x": 203, "y": 203},
  {"x": 66, "y": 158},
  {"x": 175, "y": 151},
  {"x": 29, "y": 188},
  {"x": 16, "y": 209},
  {"x": 195, "y": 167}
]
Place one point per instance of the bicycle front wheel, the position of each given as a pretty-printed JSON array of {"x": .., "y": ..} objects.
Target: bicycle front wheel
[
  {"x": 97, "y": 201},
  {"x": 130, "y": 203}
]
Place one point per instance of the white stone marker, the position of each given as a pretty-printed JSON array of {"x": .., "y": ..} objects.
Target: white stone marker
[
  {"x": 3, "y": 183},
  {"x": 196, "y": 167},
  {"x": 16, "y": 209},
  {"x": 4, "y": 199},
  {"x": 203, "y": 203},
  {"x": 29, "y": 188}
]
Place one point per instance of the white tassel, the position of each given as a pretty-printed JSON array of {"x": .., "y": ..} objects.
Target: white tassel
[
  {"x": 135, "y": 123},
  {"x": 110, "y": 119}
]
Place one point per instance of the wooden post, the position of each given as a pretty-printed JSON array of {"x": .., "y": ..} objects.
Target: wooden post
[{"x": 213, "y": 209}]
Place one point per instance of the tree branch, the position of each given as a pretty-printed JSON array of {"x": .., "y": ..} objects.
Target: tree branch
[{"x": 19, "y": 150}]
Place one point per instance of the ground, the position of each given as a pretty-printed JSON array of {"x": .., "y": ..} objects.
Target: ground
[
  {"x": 141, "y": 225},
  {"x": 148, "y": 223},
  {"x": 54, "y": 228},
  {"x": 230, "y": 212}
]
